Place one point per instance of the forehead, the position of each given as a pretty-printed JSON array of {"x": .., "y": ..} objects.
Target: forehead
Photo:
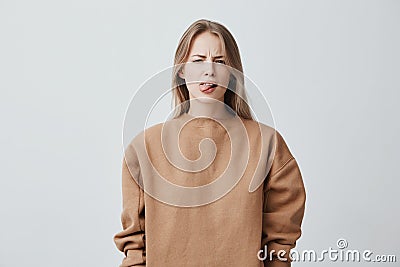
[{"x": 205, "y": 43}]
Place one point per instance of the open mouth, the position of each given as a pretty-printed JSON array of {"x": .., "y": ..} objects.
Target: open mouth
[{"x": 207, "y": 86}]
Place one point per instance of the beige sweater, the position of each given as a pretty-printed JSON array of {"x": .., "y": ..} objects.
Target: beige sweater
[{"x": 163, "y": 227}]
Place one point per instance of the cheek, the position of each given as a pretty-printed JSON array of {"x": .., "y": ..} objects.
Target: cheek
[
  {"x": 192, "y": 74},
  {"x": 190, "y": 88},
  {"x": 223, "y": 91},
  {"x": 223, "y": 78},
  {"x": 193, "y": 89}
]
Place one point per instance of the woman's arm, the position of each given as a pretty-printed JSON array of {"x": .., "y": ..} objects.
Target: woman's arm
[
  {"x": 284, "y": 205},
  {"x": 131, "y": 240}
]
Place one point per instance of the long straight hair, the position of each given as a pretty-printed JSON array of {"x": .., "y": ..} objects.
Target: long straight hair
[{"x": 235, "y": 99}]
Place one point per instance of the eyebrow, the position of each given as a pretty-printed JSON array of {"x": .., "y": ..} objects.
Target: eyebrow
[{"x": 203, "y": 56}]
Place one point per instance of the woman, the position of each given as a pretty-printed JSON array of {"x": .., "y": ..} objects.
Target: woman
[{"x": 211, "y": 218}]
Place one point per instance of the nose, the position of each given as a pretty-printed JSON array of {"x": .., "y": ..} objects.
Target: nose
[{"x": 209, "y": 68}]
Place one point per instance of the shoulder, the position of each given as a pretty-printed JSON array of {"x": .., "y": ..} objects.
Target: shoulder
[
  {"x": 270, "y": 131},
  {"x": 140, "y": 139},
  {"x": 277, "y": 143},
  {"x": 147, "y": 133},
  {"x": 259, "y": 131}
]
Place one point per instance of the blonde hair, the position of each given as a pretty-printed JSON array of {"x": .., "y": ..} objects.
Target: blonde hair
[{"x": 235, "y": 99}]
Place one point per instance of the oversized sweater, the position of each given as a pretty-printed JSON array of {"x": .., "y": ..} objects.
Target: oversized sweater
[{"x": 226, "y": 226}]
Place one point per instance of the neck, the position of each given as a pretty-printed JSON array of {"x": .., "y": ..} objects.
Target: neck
[{"x": 208, "y": 108}]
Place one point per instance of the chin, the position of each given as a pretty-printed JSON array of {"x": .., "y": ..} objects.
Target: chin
[
  {"x": 202, "y": 97},
  {"x": 208, "y": 98}
]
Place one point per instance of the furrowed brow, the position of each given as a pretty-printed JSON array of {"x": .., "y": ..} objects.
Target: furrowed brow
[{"x": 203, "y": 56}]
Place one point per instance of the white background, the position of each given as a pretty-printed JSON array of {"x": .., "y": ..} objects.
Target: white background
[{"x": 329, "y": 69}]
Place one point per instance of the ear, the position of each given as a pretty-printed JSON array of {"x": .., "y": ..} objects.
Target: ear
[{"x": 181, "y": 74}]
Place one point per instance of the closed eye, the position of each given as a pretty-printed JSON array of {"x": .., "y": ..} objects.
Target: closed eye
[{"x": 219, "y": 61}]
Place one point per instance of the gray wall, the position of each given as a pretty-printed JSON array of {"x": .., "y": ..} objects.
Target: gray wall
[{"x": 329, "y": 69}]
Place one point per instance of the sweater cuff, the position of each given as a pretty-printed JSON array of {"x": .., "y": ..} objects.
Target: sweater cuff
[
  {"x": 277, "y": 263},
  {"x": 135, "y": 257}
]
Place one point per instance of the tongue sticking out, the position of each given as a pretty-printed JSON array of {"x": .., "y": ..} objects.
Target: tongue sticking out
[{"x": 206, "y": 86}]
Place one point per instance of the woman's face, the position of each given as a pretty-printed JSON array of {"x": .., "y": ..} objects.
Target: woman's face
[{"x": 205, "y": 72}]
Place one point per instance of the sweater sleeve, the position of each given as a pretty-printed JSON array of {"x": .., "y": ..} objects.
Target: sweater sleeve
[
  {"x": 284, "y": 206},
  {"x": 131, "y": 240}
]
